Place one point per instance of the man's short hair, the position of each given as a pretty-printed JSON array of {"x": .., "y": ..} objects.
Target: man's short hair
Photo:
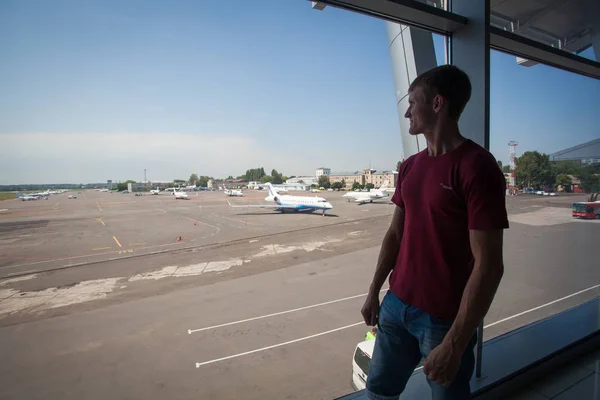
[{"x": 448, "y": 81}]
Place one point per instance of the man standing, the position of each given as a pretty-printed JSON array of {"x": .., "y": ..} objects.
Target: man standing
[{"x": 443, "y": 249}]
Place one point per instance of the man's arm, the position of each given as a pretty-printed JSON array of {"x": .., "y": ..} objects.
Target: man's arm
[
  {"x": 385, "y": 263},
  {"x": 480, "y": 289},
  {"x": 389, "y": 251}
]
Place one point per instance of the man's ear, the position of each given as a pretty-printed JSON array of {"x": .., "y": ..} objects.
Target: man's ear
[{"x": 438, "y": 103}]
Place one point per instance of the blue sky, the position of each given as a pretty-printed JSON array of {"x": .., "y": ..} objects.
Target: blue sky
[{"x": 100, "y": 90}]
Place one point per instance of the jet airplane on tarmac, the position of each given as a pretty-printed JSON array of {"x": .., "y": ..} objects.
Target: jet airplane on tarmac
[
  {"x": 367, "y": 197},
  {"x": 293, "y": 203}
]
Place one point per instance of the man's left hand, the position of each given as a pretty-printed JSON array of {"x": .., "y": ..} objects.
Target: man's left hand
[{"x": 441, "y": 365}]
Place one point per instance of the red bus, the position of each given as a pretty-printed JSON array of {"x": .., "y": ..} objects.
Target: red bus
[{"x": 586, "y": 210}]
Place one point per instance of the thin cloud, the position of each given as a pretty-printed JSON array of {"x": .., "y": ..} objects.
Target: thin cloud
[{"x": 96, "y": 157}]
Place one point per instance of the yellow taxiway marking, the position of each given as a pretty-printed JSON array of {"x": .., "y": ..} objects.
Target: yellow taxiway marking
[
  {"x": 117, "y": 241},
  {"x": 137, "y": 244},
  {"x": 101, "y": 248},
  {"x": 100, "y": 220}
]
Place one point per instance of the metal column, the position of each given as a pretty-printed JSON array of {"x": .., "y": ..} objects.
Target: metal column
[
  {"x": 470, "y": 51},
  {"x": 412, "y": 53}
]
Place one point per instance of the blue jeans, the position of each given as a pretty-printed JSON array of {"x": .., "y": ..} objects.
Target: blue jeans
[{"x": 406, "y": 334}]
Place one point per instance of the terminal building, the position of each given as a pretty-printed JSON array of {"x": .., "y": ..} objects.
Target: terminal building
[
  {"x": 365, "y": 177},
  {"x": 348, "y": 178}
]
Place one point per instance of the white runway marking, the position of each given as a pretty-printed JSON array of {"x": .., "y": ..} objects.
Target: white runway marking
[
  {"x": 242, "y": 222},
  {"x": 99, "y": 209},
  {"x": 24, "y": 272},
  {"x": 190, "y": 331},
  {"x": 199, "y": 364},
  {"x": 204, "y": 223},
  {"x": 542, "y": 306}
]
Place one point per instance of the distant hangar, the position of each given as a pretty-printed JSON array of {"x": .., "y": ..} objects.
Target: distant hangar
[{"x": 587, "y": 153}]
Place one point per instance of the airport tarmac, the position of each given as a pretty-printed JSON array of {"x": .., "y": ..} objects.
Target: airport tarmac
[
  {"x": 52, "y": 234},
  {"x": 246, "y": 302}
]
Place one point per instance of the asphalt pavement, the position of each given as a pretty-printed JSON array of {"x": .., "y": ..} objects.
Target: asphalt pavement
[{"x": 268, "y": 307}]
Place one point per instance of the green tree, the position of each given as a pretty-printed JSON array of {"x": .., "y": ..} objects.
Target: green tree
[
  {"x": 566, "y": 167},
  {"x": 356, "y": 186},
  {"x": 506, "y": 169},
  {"x": 369, "y": 186},
  {"x": 266, "y": 178},
  {"x": 499, "y": 163},
  {"x": 255, "y": 174},
  {"x": 203, "y": 181},
  {"x": 589, "y": 176},
  {"x": 565, "y": 181},
  {"x": 534, "y": 170},
  {"x": 277, "y": 177},
  {"x": 337, "y": 185},
  {"x": 193, "y": 178},
  {"x": 324, "y": 181},
  {"x": 124, "y": 185}
]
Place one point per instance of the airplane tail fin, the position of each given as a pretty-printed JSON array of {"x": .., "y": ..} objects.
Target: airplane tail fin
[{"x": 272, "y": 190}]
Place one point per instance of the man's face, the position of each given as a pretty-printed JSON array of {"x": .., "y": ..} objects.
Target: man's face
[{"x": 420, "y": 112}]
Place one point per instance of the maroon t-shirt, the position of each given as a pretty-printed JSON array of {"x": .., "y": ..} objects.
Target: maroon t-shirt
[{"x": 444, "y": 197}]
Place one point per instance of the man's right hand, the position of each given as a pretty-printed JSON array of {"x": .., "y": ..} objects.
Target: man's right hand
[{"x": 370, "y": 310}]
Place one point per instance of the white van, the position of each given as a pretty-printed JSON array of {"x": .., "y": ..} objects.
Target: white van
[{"x": 360, "y": 364}]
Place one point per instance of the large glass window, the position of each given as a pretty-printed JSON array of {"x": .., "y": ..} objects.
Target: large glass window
[
  {"x": 199, "y": 284},
  {"x": 214, "y": 279},
  {"x": 535, "y": 113}
]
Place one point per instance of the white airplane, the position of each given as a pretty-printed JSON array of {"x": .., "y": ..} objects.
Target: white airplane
[
  {"x": 191, "y": 187},
  {"x": 367, "y": 197},
  {"x": 294, "y": 203},
  {"x": 180, "y": 195},
  {"x": 155, "y": 192},
  {"x": 287, "y": 198},
  {"x": 232, "y": 192},
  {"x": 26, "y": 197}
]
